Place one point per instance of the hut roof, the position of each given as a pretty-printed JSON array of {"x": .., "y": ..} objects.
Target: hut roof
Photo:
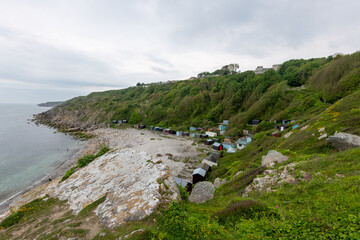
[
  {"x": 199, "y": 171},
  {"x": 203, "y": 166},
  {"x": 181, "y": 182},
  {"x": 216, "y": 144}
]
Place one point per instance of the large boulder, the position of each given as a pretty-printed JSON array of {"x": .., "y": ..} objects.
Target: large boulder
[
  {"x": 202, "y": 192},
  {"x": 272, "y": 158},
  {"x": 343, "y": 141}
]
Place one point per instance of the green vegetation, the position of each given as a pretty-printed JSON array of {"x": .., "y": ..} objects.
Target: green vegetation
[
  {"x": 85, "y": 160},
  {"x": 323, "y": 203},
  {"x": 85, "y": 211}
]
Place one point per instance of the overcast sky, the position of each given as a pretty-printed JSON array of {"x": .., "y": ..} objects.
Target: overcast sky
[{"x": 56, "y": 50}]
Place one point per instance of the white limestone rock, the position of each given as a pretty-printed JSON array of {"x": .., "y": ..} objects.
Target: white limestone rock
[
  {"x": 132, "y": 182},
  {"x": 343, "y": 141},
  {"x": 288, "y": 135},
  {"x": 272, "y": 158},
  {"x": 202, "y": 192}
]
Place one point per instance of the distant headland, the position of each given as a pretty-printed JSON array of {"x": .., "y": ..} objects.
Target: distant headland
[{"x": 50, "y": 104}]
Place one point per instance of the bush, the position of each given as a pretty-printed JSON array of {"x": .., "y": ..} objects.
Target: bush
[
  {"x": 248, "y": 209},
  {"x": 68, "y": 173},
  {"x": 184, "y": 194},
  {"x": 82, "y": 162}
]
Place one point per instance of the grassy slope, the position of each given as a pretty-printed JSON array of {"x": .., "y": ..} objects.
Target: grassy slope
[{"x": 325, "y": 206}]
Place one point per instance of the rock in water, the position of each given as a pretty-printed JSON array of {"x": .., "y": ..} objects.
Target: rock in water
[
  {"x": 202, "y": 192},
  {"x": 343, "y": 141},
  {"x": 133, "y": 184},
  {"x": 272, "y": 158}
]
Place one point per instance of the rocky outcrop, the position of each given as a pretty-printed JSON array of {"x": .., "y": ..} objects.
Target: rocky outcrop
[
  {"x": 202, "y": 192},
  {"x": 272, "y": 178},
  {"x": 343, "y": 141},
  {"x": 218, "y": 182},
  {"x": 272, "y": 158},
  {"x": 133, "y": 183}
]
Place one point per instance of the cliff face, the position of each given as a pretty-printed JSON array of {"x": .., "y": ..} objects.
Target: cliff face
[{"x": 70, "y": 119}]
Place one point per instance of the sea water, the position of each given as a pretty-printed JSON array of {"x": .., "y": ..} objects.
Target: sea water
[{"x": 28, "y": 152}]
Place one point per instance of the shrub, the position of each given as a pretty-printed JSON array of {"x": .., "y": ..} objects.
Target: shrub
[
  {"x": 247, "y": 209},
  {"x": 82, "y": 162},
  {"x": 68, "y": 173}
]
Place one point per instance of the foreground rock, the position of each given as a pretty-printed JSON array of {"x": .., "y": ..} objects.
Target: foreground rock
[
  {"x": 271, "y": 179},
  {"x": 202, "y": 192},
  {"x": 133, "y": 183},
  {"x": 272, "y": 158},
  {"x": 343, "y": 141}
]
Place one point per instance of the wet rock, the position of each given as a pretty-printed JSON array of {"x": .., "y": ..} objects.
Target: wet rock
[
  {"x": 272, "y": 158},
  {"x": 343, "y": 141},
  {"x": 202, "y": 192}
]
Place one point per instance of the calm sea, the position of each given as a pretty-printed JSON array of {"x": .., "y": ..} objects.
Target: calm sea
[{"x": 28, "y": 152}]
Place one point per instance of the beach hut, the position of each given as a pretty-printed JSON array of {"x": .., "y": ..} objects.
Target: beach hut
[
  {"x": 231, "y": 150},
  {"x": 172, "y": 132},
  {"x": 243, "y": 142},
  {"x": 226, "y": 122},
  {"x": 227, "y": 145},
  {"x": 255, "y": 121},
  {"x": 212, "y": 157},
  {"x": 217, "y": 146},
  {"x": 192, "y": 128},
  {"x": 179, "y": 133},
  {"x": 211, "y": 164},
  {"x": 142, "y": 126},
  {"x": 217, "y": 155},
  {"x": 208, "y": 142},
  {"x": 114, "y": 121},
  {"x": 203, "y": 136},
  {"x": 246, "y": 132},
  {"x": 296, "y": 126},
  {"x": 228, "y": 139},
  {"x": 275, "y": 134},
  {"x": 211, "y": 134},
  {"x": 222, "y": 128},
  {"x": 198, "y": 175},
  {"x": 124, "y": 121},
  {"x": 167, "y": 130},
  {"x": 185, "y": 184},
  {"x": 186, "y": 134},
  {"x": 221, "y": 132},
  {"x": 204, "y": 166}
]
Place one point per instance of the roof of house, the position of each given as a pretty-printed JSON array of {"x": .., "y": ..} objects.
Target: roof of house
[
  {"x": 227, "y": 143},
  {"x": 216, "y": 144},
  {"x": 182, "y": 182},
  {"x": 203, "y": 166},
  {"x": 231, "y": 150},
  {"x": 209, "y": 162},
  {"x": 212, "y": 158},
  {"x": 199, "y": 171}
]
